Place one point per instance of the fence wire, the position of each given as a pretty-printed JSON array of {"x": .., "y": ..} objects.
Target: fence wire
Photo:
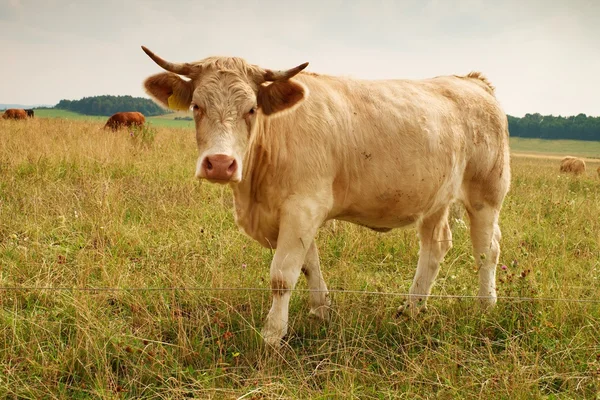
[{"x": 264, "y": 289}]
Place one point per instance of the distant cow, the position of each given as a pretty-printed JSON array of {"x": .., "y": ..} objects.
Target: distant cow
[
  {"x": 572, "y": 165},
  {"x": 382, "y": 154},
  {"x": 126, "y": 119},
  {"x": 598, "y": 171},
  {"x": 29, "y": 112},
  {"x": 15, "y": 113}
]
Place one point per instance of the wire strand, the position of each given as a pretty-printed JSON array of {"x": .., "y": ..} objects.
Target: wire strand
[{"x": 254, "y": 289}]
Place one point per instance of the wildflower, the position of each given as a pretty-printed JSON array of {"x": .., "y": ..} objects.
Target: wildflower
[
  {"x": 244, "y": 265},
  {"x": 504, "y": 267}
]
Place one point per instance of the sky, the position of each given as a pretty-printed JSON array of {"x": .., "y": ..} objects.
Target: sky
[{"x": 542, "y": 55}]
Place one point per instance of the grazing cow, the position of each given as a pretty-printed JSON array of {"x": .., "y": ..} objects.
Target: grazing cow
[
  {"x": 30, "y": 113},
  {"x": 572, "y": 165},
  {"x": 127, "y": 119},
  {"x": 14, "y": 113},
  {"x": 298, "y": 149}
]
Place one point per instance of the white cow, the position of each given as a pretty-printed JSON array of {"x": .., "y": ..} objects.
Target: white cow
[{"x": 383, "y": 154}]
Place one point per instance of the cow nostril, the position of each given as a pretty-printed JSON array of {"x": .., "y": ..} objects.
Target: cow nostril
[
  {"x": 232, "y": 167},
  {"x": 209, "y": 165}
]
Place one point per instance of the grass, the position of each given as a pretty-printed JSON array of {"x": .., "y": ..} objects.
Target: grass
[
  {"x": 167, "y": 120},
  {"x": 80, "y": 207},
  {"x": 556, "y": 147}
]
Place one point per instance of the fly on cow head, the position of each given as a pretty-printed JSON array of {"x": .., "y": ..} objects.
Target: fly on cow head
[{"x": 227, "y": 97}]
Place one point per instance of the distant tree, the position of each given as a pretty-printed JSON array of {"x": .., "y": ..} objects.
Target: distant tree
[
  {"x": 579, "y": 127},
  {"x": 108, "y": 105}
]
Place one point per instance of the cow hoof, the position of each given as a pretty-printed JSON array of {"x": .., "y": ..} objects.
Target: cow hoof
[
  {"x": 410, "y": 310},
  {"x": 320, "y": 313},
  {"x": 272, "y": 339},
  {"x": 273, "y": 342},
  {"x": 486, "y": 302}
]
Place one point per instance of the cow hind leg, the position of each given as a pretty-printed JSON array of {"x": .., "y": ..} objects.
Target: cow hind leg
[
  {"x": 318, "y": 301},
  {"x": 485, "y": 237},
  {"x": 435, "y": 239}
]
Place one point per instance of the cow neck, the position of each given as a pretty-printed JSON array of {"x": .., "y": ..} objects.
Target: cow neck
[
  {"x": 257, "y": 161},
  {"x": 255, "y": 210}
]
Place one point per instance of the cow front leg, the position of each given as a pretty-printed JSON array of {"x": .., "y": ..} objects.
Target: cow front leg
[
  {"x": 318, "y": 300},
  {"x": 297, "y": 230}
]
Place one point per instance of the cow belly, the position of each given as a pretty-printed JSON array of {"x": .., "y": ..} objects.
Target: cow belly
[
  {"x": 397, "y": 206},
  {"x": 379, "y": 223}
]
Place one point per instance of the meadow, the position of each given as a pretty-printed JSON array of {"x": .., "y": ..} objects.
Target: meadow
[
  {"x": 122, "y": 217},
  {"x": 167, "y": 120}
]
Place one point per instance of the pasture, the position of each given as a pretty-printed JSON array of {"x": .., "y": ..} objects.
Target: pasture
[
  {"x": 84, "y": 208},
  {"x": 167, "y": 120}
]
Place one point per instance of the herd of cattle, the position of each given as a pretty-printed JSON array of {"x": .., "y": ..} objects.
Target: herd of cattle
[
  {"x": 116, "y": 121},
  {"x": 299, "y": 148}
]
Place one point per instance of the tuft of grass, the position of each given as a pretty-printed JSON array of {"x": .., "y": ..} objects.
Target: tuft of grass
[
  {"x": 86, "y": 208},
  {"x": 142, "y": 136}
]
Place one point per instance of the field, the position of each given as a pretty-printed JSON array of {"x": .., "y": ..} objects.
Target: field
[
  {"x": 83, "y": 208},
  {"x": 518, "y": 145},
  {"x": 557, "y": 148},
  {"x": 166, "y": 120}
]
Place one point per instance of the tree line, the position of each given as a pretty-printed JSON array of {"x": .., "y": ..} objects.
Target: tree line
[
  {"x": 579, "y": 127},
  {"x": 108, "y": 105}
]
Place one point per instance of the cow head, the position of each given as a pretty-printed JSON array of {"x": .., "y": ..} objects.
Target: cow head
[{"x": 227, "y": 96}]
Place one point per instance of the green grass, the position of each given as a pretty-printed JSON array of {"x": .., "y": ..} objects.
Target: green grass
[
  {"x": 556, "y": 147},
  {"x": 56, "y": 113},
  {"x": 80, "y": 207},
  {"x": 166, "y": 120}
]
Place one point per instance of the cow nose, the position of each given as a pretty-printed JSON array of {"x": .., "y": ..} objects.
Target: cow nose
[{"x": 219, "y": 167}]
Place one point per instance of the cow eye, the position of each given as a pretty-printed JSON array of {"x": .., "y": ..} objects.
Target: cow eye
[
  {"x": 196, "y": 108},
  {"x": 252, "y": 110}
]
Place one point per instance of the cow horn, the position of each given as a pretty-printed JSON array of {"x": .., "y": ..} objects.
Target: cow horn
[
  {"x": 270, "y": 75},
  {"x": 178, "y": 68}
]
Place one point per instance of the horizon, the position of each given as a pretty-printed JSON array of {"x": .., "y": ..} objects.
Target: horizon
[
  {"x": 52, "y": 106},
  {"x": 541, "y": 58}
]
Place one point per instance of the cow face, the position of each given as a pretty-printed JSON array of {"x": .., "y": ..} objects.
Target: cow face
[{"x": 228, "y": 98}]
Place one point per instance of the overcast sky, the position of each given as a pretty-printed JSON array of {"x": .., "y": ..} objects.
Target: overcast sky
[{"x": 542, "y": 55}]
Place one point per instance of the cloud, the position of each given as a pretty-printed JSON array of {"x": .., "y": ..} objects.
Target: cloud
[{"x": 541, "y": 56}]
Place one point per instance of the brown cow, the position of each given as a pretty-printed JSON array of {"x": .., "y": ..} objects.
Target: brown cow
[
  {"x": 383, "y": 154},
  {"x": 127, "y": 119},
  {"x": 14, "y": 113},
  {"x": 572, "y": 165}
]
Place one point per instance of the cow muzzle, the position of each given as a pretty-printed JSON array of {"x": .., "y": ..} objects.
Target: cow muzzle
[{"x": 219, "y": 168}]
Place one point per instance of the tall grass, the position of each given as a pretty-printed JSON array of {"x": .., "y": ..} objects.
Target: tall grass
[{"x": 82, "y": 207}]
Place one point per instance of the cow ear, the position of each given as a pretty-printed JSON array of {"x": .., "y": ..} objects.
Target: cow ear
[
  {"x": 280, "y": 95},
  {"x": 170, "y": 90}
]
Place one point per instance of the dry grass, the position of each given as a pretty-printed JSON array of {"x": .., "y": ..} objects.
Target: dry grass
[{"x": 80, "y": 207}]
